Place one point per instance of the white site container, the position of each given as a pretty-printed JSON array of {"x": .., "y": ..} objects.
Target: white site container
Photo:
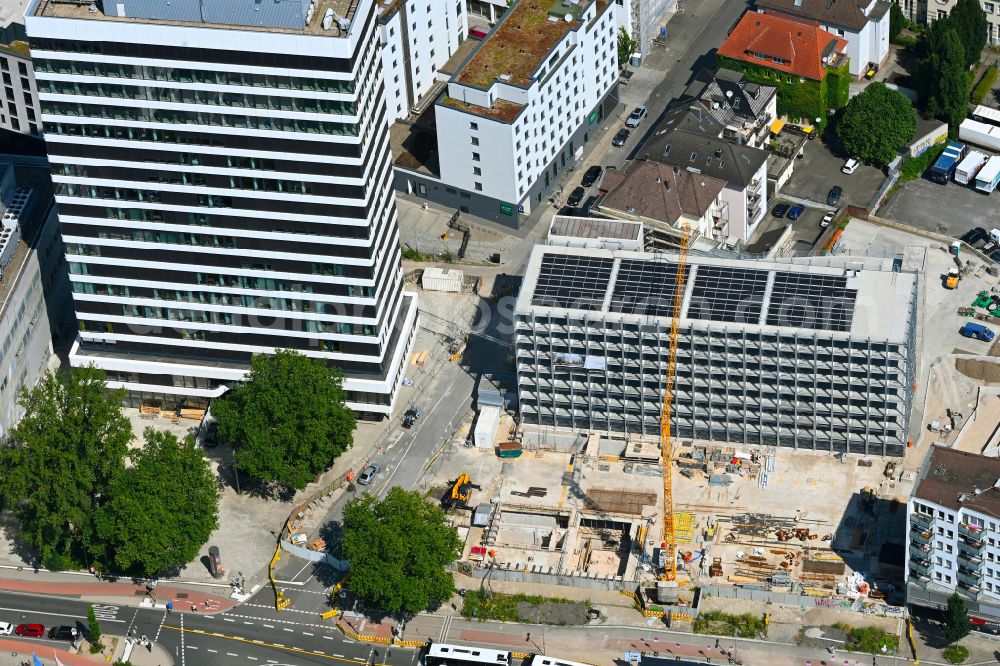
[{"x": 437, "y": 279}]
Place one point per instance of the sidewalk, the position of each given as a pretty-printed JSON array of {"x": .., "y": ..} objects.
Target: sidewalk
[
  {"x": 126, "y": 594},
  {"x": 14, "y": 653}
]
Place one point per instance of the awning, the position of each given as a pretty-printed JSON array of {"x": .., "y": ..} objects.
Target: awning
[{"x": 777, "y": 126}]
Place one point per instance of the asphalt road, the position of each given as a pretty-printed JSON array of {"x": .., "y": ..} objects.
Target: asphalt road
[{"x": 248, "y": 634}]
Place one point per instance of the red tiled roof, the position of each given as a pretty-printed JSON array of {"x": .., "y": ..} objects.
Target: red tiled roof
[{"x": 799, "y": 44}]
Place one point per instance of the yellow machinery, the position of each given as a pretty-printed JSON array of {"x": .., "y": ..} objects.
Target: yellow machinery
[
  {"x": 460, "y": 493},
  {"x": 951, "y": 280},
  {"x": 669, "y": 545}
]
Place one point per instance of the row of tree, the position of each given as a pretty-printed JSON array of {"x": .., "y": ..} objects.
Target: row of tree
[
  {"x": 947, "y": 52},
  {"x": 83, "y": 497}
]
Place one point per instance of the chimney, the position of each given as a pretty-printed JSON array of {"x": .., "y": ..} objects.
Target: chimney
[{"x": 666, "y": 184}]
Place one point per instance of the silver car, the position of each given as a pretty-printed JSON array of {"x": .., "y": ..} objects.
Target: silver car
[
  {"x": 368, "y": 474},
  {"x": 636, "y": 117}
]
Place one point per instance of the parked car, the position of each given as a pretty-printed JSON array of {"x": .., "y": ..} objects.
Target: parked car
[
  {"x": 795, "y": 212},
  {"x": 368, "y": 474},
  {"x": 64, "y": 633},
  {"x": 636, "y": 117},
  {"x": 410, "y": 417},
  {"x": 871, "y": 71},
  {"x": 780, "y": 210},
  {"x": 977, "y": 331},
  {"x": 575, "y": 197},
  {"x": 591, "y": 175},
  {"x": 621, "y": 137},
  {"x": 833, "y": 197},
  {"x": 30, "y": 630},
  {"x": 974, "y": 235},
  {"x": 6, "y": 628},
  {"x": 850, "y": 166},
  {"x": 827, "y": 219}
]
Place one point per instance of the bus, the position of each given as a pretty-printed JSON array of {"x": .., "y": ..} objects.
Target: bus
[
  {"x": 542, "y": 660},
  {"x": 443, "y": 654}
]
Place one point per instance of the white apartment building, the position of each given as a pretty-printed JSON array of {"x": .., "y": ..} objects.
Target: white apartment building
[
  {"x": 19, "y": 101},
  {"x": 863, "y": 23},
  {"x": 418, "y": 38},
  {"x": 941, "y": 8},
  {"x": 27, "y": 231},
  {"x": 953, "y": 533},
  {"x": 223, "y": 176},
  {"x": 521, "y": 109},
  {"x": 643, "y": 20}
]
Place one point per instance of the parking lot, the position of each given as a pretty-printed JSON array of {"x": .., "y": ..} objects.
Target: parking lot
[
  {"x": 805, "y": 230},
  {"x": 819, "y": 169},
  {"x": 950, "y": 209}
]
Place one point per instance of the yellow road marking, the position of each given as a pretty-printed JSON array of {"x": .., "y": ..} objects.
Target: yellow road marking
[{"x": 270, "y": 645}]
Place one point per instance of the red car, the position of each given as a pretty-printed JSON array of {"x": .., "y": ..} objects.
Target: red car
[{"x": 30, "y": 630}]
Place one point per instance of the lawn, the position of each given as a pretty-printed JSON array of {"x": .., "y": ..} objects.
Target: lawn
[
  {"x": 483, "y": 605},
  {"x": 724, "y": 624}
]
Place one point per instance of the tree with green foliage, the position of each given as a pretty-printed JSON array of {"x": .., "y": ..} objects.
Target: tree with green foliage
[
  {"x": 163, "y": 508},
  {"x": 896, "y": 21},
  {"x": 969, "y": 20},
  {"x": 94, "y": 631},
  {"x": 956, "y": 619},
  {"x": 626, "y": 46},
  {"x": 398, "y": 549},
  {"x": 288, "y": 421},
  {"x": 59, "y": 462},
  {"x": 876, "y": 123},
  {"x": 949, "y": 86}
]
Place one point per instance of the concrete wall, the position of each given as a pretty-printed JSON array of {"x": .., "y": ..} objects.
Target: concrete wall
[{"x": 544, "y": 576}]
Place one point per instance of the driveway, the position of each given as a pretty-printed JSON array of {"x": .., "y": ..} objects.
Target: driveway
[
  {"x": 805, "y": 230},
  {"x": 819, "y": 169},
  {"x": 950, "y": 209}
]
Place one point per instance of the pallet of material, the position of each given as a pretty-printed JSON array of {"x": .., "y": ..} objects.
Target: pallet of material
[
  {"x": 816, "y": 592},
  {"x": 192, "y": 413},
  {"x": 824, "y": 567},
  {"x": 420, "y": 358},
  {"x": 742, "y": 579},
  {"x": 168, "y": 413},
  {"x": 151, "y": 408}
]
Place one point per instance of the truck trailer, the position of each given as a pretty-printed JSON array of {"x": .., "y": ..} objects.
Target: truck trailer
[
  {"x": 965, "y": 172},
  {"x": 988, "y": 176},
  {"x": 944, "y": 168},
  {"x": 979, "y": 134}
]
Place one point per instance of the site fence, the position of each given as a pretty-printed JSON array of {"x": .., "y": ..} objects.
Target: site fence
[
  {"x": 539, "y": 576},
  {"x": 802, "y": 600}
]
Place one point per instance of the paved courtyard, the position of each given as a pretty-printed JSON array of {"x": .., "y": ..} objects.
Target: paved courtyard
[
  {"x": 819, "y": 169},
  {"x": 950, "y": 209}
]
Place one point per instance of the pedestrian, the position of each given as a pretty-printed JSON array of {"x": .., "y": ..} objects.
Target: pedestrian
[
  {"x": 170, "y": 606},
  {"x": 205, "y": 603},
  {"x": 194, "y": 608},
  {"x": 528, "y": 637}
]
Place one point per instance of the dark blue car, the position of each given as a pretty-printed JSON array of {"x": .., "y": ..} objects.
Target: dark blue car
[{"x": 795, "y": 212}]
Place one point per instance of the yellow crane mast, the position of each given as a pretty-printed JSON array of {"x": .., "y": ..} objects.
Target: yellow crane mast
[{"x": 669, "y": 545}]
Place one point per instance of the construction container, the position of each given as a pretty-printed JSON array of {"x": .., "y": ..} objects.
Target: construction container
[
  {"x": 437, "y": 279},
  {"x": 487, "y": 424},
  {"x": 510, "y": 450},
  {"x": 481, "y": 516}
]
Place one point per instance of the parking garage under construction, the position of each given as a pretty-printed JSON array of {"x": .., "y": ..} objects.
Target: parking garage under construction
[{"x": 815, "y": 353}]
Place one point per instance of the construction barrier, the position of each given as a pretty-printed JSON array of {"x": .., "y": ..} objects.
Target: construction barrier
[
  {"x": 362, "y": 637},
  {"x": 909, "y": 638},
  {"x": 521, "y": 655},
  {"x": 416, "y": 644},
  {"x": 330, "y": 613}
]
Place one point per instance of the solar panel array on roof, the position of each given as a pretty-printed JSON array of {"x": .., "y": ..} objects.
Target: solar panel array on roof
[
  {"x": 566, "y": 281},
  {"x": 644, "y": 287},
  {"x": 723, "y": 293},
  {"x": 804, "y": 300}
]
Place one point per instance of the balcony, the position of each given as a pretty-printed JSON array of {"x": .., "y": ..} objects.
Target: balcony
[
  {"x": 921, "y": 536},
  {"x": 970, "y": 590},
  {"x": 919, "y": 579},
  {"x": 921, "y": 522},
  {"x": 969, "y": 576},
  {"x": 973, "y": 532},
  {"x": 919, "y": 566},
  {"x": 969, "y": 556},
  {"x": 919, "y": 549}
]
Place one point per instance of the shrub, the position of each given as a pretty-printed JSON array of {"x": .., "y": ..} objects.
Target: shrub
[
  {"x": 956, "y": 654},
  {"x": 411, "y": 254},
  {"x": 725, "y": 624},
  {"x": 914, "y": 167},
  {"x": 869, "y": 639},
  {"x": 985, "y": 85}
]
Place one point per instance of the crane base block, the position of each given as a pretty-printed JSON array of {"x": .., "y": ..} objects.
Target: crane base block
[{"x": 667, "y": 591}]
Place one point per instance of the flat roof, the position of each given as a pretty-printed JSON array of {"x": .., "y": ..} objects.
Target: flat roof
[
  {"x": 270, "y": 15},
  {"x": 592, "y": 227},
  {"x": 12, "y": 11},
  {"x": 844, "y": 297},
  {"x": 960, "y": 480},
  {"x": 520, "y": 43}
]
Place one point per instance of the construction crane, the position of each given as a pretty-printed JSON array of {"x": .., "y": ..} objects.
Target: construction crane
[{"x": 669, "y": 544}]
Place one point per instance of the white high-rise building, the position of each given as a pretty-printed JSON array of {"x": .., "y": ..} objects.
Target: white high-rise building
[
  {"x": 418, "y": 37},
  {"x": 223, "y": 176}
]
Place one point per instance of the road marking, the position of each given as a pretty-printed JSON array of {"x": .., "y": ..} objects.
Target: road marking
[
  {"x": 286, "y": 629},
  {"x": 306, "y": 633},
  {"x": 107, "y": 613},
  {"x": 246, "y": 622},
  {"x": 232, "y": 654},
  {"x": 192, "y": 647},
  {"x": 269, "y": 626},
  {"x": 160, "y": 628},
  {"x": 329, "y": 638},
  {"x": 273, "y": 645},
  {"x": 227, "y": 619},
  {"x": 214, "y": 651},
  {"x": 252, "y": 658},
  {"x": 339, "y": 655},
  {"x": 210, "y": 617},
  {"x": 320, "y": 651},
  {"x": 182, "y": 640},
  {"x": 38, "y": 612}
]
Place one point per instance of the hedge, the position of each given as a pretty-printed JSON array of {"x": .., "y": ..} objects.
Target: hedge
[
  {"x": 914, "y": 167},
  {"x": 838, "y": 86},
  {"x": 985, "y": 85}
]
